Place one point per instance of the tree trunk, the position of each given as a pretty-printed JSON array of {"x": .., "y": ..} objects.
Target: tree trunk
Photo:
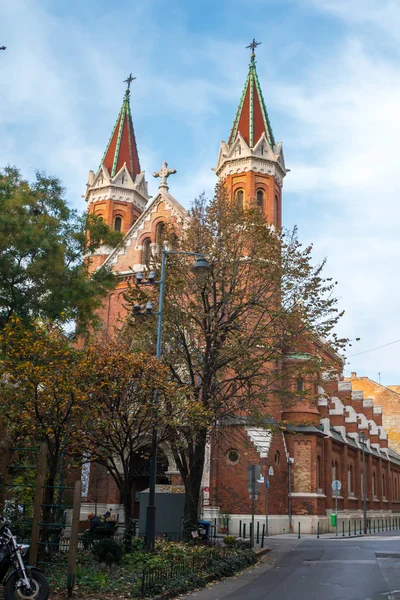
[
  {"x": 126, "y": 495},
  {"x": 193, "y": 486}
]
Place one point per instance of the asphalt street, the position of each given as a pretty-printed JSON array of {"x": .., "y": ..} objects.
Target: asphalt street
[{"x": 318, "y": 569}]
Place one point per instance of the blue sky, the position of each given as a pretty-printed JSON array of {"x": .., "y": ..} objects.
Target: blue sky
[{"x": 330, "y": 74}]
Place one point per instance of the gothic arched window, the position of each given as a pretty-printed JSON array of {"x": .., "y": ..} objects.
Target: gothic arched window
[
  {"x": 239, "y": 197},
  {"x": 319, "y": 486},
  {"x": 118, "y": 223},
  {"x": 277, "y": 215},
  {"x": 146, "y": 251},
  {"x": 300, "y": 385},
  {"x": 260, "y": 198},
  {"x": 160, "y": 231},
  {"x": 383, "y": 486}
]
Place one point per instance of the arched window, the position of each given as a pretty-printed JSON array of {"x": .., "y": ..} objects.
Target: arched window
[
  {"x": 160, "y": 231},
  {"x": 146, "y": 252},
  {"x": 260, "y": 198},
  {"x": 383, "y": 486},
  {"x": 374, "y": 485},
  {"x": 277, "y": 215},
  {"x": 239, "y": 197},
  {"x": 318, "y": 473},
  {"x": 118, "y": 223},
  {"x": 396, "y": 491},
  {"x": 350, "y": 480},
  {"x": 337, "y": 470},
  {"x": 300, "y": 385},
  {"x": 334, "y": 471},
  {"x": 123, "y": 178}
]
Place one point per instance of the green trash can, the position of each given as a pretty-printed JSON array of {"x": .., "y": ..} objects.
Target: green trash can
[{"x": 333, "y": 520}]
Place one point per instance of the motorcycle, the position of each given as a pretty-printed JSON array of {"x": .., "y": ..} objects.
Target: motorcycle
[{"x": 21, "y": 582}]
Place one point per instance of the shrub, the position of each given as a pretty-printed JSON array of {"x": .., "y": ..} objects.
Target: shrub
[
  {"x": 108, "y": 551},
  {"x": 229, "y": 540}
]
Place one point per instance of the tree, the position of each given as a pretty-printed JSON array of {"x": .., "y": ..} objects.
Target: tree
[
  {"x": 41, "y": 392},
  {"x": 227, "y": 338},
  {"x": 45, "y": 250},
  {"x": 128, "y": 392}
]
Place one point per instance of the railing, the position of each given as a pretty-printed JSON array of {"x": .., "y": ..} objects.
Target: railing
[{"x": 153, "y": 579}]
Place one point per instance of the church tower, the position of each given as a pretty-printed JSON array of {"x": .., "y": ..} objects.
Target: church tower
[
  {"x": 118, "y": 191},
  {"x": 251, "y": 164}
]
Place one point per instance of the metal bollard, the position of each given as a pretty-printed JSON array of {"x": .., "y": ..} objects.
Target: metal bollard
[
  {"x": 258, "y": 532},
  {"x": 374, "y": 526},
  {"x": 318, "y": 529},
  {"x": 349, "y": 528},
  {"x": 240, "y": 528},
  {"x": 262, "y": 535},
  {"x": 244, "y": 530},
  {"x": 360, "y": 527},
  {"x": 298, "y": 535},
  {"x": 355, "y": 527},
  {"x": 342, "y": 528}
]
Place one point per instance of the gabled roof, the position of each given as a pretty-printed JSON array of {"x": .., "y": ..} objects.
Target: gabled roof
[
  {"x": 121, "y": 147},
  {"x": 252, "y": 118}
]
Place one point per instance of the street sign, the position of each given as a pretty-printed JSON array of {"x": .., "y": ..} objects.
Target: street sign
[
  {"x": 267, "y": 483},
  {"x": 257, "y": 474},
  {"x": 336, "y": 485},
  {"x": 271, "y": 471},
  {"x": 261, "y": 479}
]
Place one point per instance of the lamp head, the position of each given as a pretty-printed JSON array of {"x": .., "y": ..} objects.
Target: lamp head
[
  {"x": 139, "y": 277},
  {"x": 201, "y": 268},
  {"x": 149, "y": 307},
  {"x": 151, "y": 277},
  {"x": 136, "y": 308}
]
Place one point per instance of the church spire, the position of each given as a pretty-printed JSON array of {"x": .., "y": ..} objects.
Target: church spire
[
  {"x": 252, "y": 119},
  {"x": 121, "y": 147}
]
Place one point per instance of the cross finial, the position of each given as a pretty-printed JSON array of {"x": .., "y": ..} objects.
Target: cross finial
[
  {"x": 164, "y": 173},
  {"x": 253, "y": 46},
  {"x": 129, "y": 80}
]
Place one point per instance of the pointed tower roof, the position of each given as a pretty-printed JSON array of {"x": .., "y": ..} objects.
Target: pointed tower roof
[
  {"x": 252, "y": 118},
  {"x": 121, "y": 147}
]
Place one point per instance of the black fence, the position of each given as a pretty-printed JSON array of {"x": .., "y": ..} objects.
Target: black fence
[{"x": 153, "y": 579}]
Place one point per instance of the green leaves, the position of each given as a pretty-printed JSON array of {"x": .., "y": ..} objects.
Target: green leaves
[{"x": 42, "y": 246}]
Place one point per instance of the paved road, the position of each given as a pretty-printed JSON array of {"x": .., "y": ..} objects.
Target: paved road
[{"x": 324, "y": 569}]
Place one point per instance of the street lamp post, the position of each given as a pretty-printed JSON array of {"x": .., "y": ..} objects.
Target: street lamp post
[
  {"x": 363, "y": 439},
  {"x": 200, "y": 268}
]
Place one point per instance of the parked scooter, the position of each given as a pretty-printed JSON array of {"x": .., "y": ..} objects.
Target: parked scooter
[{"x": 20, "y": 582}]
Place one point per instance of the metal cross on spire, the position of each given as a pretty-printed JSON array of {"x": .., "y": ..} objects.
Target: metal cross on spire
[
  {"x": 164, "y": 173},
  {"x": 129, "y": 80},
  {"x": 253, "y": 46}
]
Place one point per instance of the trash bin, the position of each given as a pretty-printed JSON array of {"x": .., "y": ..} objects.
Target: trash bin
[
  {"x": 333, "y": 520},
  {"x": 204, "y": 529}
]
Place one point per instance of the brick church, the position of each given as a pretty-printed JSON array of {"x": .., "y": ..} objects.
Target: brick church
[{"x": 323, "y": 445}]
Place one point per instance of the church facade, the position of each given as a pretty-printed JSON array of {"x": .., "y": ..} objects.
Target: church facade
[{"x": 323, "y": 444}]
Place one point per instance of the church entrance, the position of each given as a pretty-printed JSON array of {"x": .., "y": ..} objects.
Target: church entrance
[{"x": 142, "y": 474}]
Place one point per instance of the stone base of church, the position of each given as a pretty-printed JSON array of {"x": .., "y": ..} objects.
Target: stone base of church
[{"x": 279, "y": 524}]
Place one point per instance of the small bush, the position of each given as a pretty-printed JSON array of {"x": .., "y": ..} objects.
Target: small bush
[
  {"x": 229, "y": 540},
  {"x": 108, "y": 551}
]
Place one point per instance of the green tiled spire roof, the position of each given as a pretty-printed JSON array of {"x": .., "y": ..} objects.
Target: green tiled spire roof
[
  {"x": 252, "y": 117},
  {"x": 121, "y": 147}
]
